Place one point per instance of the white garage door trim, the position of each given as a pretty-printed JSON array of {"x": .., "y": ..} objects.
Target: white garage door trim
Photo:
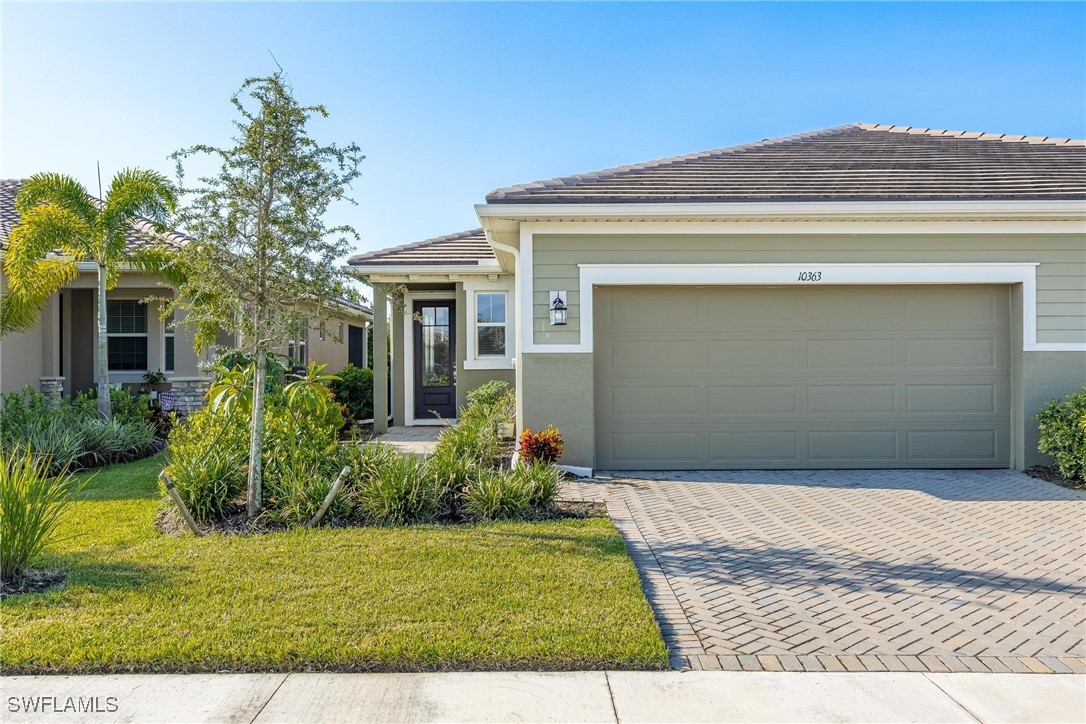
[{"x": 591, "y": 275}]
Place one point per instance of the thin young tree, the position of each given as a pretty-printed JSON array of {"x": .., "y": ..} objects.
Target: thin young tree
[
  {"x": 264, "y": 263},
  {"x": 60, "y": 225}
]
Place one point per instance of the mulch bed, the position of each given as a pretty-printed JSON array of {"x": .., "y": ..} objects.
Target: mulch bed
[
  {"x": 1051, "y": 474},
  {"x": 31, "y": 582}
]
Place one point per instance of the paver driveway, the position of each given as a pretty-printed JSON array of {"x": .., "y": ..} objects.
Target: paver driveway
[{"x": 859, "y": 570}]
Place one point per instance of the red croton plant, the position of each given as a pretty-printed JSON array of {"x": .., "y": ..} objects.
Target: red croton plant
[{"x": 544, "y": 446}]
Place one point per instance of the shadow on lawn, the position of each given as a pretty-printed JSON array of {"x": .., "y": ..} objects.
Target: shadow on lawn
[{"x": 590, "y": 545}]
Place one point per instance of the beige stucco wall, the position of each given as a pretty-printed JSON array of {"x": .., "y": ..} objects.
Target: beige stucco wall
[
  {"x": 1061, "y": 276},
  {"x": 23, "y": 362}
]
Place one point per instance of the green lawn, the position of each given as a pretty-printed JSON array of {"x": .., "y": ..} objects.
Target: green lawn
[{"x": 551, "y": 595}]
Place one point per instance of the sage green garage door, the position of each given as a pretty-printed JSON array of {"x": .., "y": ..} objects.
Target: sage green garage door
[{"x": 802, "y": 377}]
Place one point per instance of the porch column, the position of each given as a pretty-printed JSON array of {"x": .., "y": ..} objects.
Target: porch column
[
  {"x": 380, "y": 359},
  {"x": 50, "y": 337}
]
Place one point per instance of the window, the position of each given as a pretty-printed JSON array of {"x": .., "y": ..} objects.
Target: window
[
  {"x": 168, "y": 333},
  {"x": 126, "y": 331},
  {"x": 297, "y": 348},
  {"x": 490, "y": 324},
  {"x": 322, "y": 331}
]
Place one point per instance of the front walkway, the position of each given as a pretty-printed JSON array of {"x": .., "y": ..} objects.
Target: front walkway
[
  {"x": 415, "y": 440},
  {"x": 858, "y": 570},
  {"x": 594, "y": 696}
]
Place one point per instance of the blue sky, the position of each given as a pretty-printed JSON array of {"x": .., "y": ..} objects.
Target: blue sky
[{"x": 451, "y": 100}]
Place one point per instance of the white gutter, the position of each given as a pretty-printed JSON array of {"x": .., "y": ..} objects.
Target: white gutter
[{"x": 802, "y": 209}]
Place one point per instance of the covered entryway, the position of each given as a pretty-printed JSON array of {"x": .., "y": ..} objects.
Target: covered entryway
[{"x": 802, "y": 377}]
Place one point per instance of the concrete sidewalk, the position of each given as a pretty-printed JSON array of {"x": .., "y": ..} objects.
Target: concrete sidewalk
[{"x": 700, "y": 696}]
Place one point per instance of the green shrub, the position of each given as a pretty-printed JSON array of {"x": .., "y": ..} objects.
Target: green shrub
[
  {"x": 452, "y": 473},
  {"x": 208, "y": 462},
  {"x": 69, "y": 431},
  {"x": 58, "y": 440},
  {"x": 541, "y": 483},
  {"x": 488, "y": 394},
  {"x": 32, "y": 498},
  {"x": 397, "y": 490},
  {"x": 354, "y": 390},
  {"x": 495, "y": 495},
  {"x": 474, "y": 439},
  {"x": 1063, "y": 434}
]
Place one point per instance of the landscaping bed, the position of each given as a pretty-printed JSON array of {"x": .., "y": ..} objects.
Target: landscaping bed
[
  {"x": 1052, "y": 474},
  {"x": 552, "y": 594}
]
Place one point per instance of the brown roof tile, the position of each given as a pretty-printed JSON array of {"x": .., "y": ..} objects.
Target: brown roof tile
[
  {"x": 465, "y": 247},
  {"x": 855, "y": 162},
  {"x": 142, "y": 233}
]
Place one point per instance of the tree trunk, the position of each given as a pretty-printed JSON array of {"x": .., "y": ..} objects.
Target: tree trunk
[
  {"x": 104, "y": 410},
  {"x": 254, "y": 495}
]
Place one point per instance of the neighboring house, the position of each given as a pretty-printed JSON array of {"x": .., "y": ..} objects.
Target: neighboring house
[
  {"x": 865, "y": 296},
  {"x": 58, "y": 354}
]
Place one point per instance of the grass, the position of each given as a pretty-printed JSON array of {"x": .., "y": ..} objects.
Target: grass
[{"x": 547, "y": 595}]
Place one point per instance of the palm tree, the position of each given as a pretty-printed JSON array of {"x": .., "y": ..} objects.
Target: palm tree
[{"x": 60, "y": 225}]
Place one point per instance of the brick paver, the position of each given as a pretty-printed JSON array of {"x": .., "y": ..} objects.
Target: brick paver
[{"x": 858, "y": 570}]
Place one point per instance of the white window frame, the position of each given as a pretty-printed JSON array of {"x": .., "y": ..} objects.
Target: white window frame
[
  {"x": 146, "y": 335},
  {"x": 473, "y": 360}
]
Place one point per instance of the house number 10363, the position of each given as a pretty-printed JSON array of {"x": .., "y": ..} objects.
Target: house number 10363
[{"x": 810, "y": 276}]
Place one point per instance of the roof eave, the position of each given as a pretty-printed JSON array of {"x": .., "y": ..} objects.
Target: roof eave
[{"x": 932, "y": 209}]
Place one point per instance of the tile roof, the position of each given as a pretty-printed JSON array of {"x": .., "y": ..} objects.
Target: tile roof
[
  {"x": 141, "y": 234},
  {"x": 856, "y": 162},
  {"x": 465, "y": 247}
]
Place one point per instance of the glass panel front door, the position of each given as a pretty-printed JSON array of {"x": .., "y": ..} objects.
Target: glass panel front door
[{"x": 435, "y": 355}]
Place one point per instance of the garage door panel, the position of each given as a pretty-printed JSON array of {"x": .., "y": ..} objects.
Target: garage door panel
[
  {"x": 928, "y": 386},
  {"x": 851, "y": 399},
  {"x": 765, "y": 399},
  {"x": 661, "y": 400},
  {"x": 934, "y": 446},
  {"x": 953, "y": 399},
  {"x": 734, "y": 447},
  {"x": 745, "y": 354},
  {"x": 956, "y": 304},
  {"x": 851, "y": 353},
  {"x": 852, "y": 445}
]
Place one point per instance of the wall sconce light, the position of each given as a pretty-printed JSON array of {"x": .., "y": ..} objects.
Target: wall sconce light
[{"x": 558, "y": 309}]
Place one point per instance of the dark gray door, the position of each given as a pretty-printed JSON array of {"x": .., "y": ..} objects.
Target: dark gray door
[
  {"x": 356, "y": 344},
  {"x": 435, "y": 374}
]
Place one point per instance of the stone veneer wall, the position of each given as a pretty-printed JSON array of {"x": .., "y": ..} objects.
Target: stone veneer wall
[
  {"x": 191, "y": 393},
  {"x": 52, "y": 388}
]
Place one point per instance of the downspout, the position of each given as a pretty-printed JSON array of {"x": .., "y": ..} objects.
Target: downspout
[{"x": 518, "y": 366}]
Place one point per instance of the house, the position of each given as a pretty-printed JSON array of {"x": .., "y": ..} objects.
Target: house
[
  {"x": 865, "y": 296},
  {"x": 58, "y": 354}
]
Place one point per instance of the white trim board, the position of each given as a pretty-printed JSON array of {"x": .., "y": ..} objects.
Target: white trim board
[
  {"x": 802, "y": 209},
  {"x": 592, "y": 275},
  {"x": 471, "y": 360}
]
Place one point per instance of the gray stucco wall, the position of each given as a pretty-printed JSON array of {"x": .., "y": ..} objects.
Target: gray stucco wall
[
  {"x": 1046, "y": 376},
  {"x": 560, "y": 393}
]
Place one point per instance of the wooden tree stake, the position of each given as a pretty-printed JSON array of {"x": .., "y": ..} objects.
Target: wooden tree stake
[
  {"x": 180, "y": 503},
  {"x": 330, "y": 497}
]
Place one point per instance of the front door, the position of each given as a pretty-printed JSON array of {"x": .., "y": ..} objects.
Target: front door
[
  {"x": 356, "y": 344},
  {"x": 435, "y": 371}
]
